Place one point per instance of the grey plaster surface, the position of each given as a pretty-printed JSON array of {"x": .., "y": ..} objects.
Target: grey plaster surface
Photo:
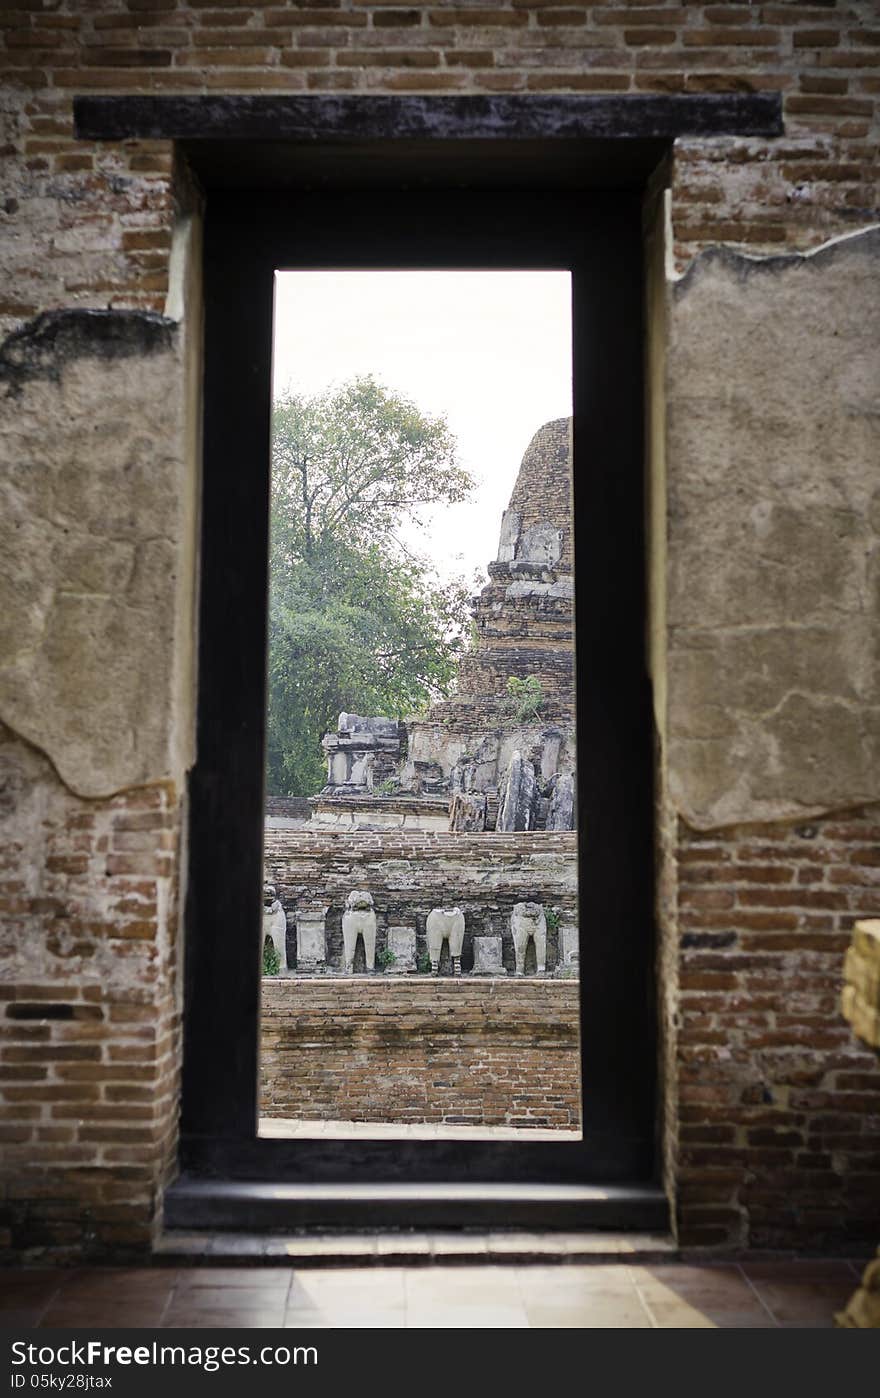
[
  {"x": 773, "y": 533},
  {"x": 96, "y": 546}
]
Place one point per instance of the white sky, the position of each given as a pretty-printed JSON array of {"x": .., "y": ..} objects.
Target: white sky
[{"x": 489, "y": 350}]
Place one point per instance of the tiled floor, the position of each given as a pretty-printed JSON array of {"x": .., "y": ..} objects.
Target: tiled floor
[{"x": 803, "y": 1294}]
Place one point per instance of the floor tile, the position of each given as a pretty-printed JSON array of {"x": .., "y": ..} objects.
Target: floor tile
[
  {"x": 105, "y": 1313},
  {"x": 249, "y": 1278},
  {"x": 721, "y": 1286},
  {"x": 576, "y": 1285},
  {"x": 802, "y": 1293},
  {"x": 29, "y": 1299},
  {"x": 30, "y": 1276},
  {"x": 679, "y": 1314},
  {"x": 98, "y": 1285},
  {"x": 25, "y": 1290},
  {"x": 361, "y": 1319},
  {"x": 347, "y": 1288},
  {"x": 186, "y": 1319},
  {"x": 804, "y": 1304},
  {"x": 460, "y": 1286},
  {"x": 812, "y": 1268},
  {"x": 230, "y": 1298},
  {"x": 593, "y": 1314},
  {"x": 21, "y": 1319},
  {"x": 422, "y": 1316}
]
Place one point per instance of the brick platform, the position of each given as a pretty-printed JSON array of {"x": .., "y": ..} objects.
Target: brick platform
[{"x": 496, "y": 1052}]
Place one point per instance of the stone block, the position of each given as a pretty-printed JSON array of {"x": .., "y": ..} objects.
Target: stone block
[
  {"x": 510, "y": 527},
  {"x": 487, "y": 957},
  {"x": 569, "y": 951},
  {"x": 467, "y": 812},
  {"x": 402, "y": 942},
  {"x": 561, "y": 813},
  {"x": 311, "y": 952},
  {"x": 517, "y": 795}
]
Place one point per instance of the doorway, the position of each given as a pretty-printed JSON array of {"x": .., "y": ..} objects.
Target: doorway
[{"x": 596, "y": 236}]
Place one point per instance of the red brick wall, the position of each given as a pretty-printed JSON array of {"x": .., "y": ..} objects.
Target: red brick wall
[
  {"x": 482, "y": 1053},
  {"x": 775, "y": 1136},
  {"x": 106, "y": 239},
  {"x": 89, "y": 1029}
]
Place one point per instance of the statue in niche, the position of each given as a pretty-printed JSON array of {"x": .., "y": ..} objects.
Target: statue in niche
[
  {"x": 359, "y": 919},
  {"x": 445, "y": 923},
  {"x": 275, "y": 924},
  {"x": 528, "y": 921}
]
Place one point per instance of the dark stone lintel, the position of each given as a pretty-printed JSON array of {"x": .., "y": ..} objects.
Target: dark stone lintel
[{"x": 348, "y": 118}]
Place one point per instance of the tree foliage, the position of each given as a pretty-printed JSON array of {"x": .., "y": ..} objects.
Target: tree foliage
[{"x": 356, "y": 620}]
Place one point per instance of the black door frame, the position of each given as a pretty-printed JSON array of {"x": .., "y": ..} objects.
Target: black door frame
[{"x": 598, "y": 236}]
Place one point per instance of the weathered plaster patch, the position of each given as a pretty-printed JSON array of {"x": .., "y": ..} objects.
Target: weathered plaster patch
[
  {"x": 94, "y": 473},
  {"x": 773, "y": 451},
  {"x": 42, "y": 347}
]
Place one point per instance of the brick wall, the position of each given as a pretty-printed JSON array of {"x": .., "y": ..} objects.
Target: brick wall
[
  {"x": 89, "y": 1025},
  {"x": 96, "y": 220},
  {"x": 774, "y": 1104},
  {"x": 289, "y": 807},
  {"x": 409, "y": 874},
  {"x": 490, "y": 1053}
]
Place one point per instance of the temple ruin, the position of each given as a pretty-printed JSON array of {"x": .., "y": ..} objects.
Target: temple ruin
[
  {"x": 444, "y": 845},
  {"x": 486, "y": 761}
]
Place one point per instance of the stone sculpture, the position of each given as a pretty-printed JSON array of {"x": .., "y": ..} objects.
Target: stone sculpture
[
  {"x": 275, "y": 924},
  {"x": 445, "y": 923},
  {"x": 359, "y": 919},
  {"x": 528, "y": 920}
]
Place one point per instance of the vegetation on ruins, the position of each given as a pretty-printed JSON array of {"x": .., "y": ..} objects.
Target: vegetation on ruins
[
  {"x": 271, "y": 959},
  {"x": 357, "y": 621},
  {"x": 525, "y": 697}
]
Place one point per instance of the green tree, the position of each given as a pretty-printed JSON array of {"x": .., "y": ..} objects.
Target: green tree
[{"x": 356, "y": 620}]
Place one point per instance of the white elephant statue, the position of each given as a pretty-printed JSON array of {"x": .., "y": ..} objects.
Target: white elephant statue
[
  {"x": 359, "y": 918},
  {"x": 443, "y": 923},
  {"x": 528, "y": 920},
  {"x": 275, "y": 924}
]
